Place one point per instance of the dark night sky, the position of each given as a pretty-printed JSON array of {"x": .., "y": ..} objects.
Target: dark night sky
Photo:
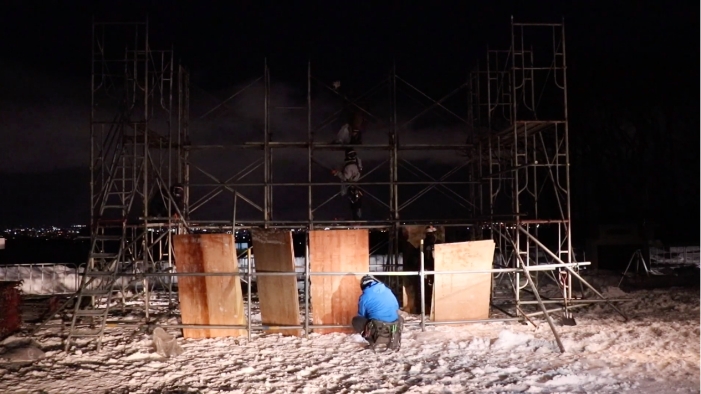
[{"x": 625, "y": 57}]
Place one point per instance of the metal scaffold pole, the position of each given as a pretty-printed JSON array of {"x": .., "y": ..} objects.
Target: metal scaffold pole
[
  {"x": 310, "y": 142},
  {"x": 267, "y": 159},
  {"x": 145, "y": 193}
]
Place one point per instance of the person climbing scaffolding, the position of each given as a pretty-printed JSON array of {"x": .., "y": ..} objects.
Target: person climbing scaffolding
[
  {"x": 352, "y": 131},
  {"x": 350, "y": 173},
  {"x": 355, "y": 197}
]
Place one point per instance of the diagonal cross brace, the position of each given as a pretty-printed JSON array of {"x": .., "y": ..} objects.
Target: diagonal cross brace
[
  {"x": 435, "y": 103},
  {"x": 353, "y": 102},
  {"x": 219, "y": 189},
  {"x": 568, "y": 268},
  {"x": 241, "y": 196},
  {"x": 453, "y": 192},
  {"x": 427, "y": 188},
  {"x": 534, "y": 289},
  {"x": 411, "y": 171},
  {"x": 230, "y": 98},
  {"x": 361, "y": 177}
]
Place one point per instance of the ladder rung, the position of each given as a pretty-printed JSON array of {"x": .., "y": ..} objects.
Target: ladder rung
[
  {"x": 115, "y": 206},
  {"x": 111, "y": 221},
  {"x": 92, "y": 333},
  {"x": 108, "y": 237},
  {"x": 91, "y": 312},
  {"x": 103, "y": 255},
  {"x": 111, "y": 225}
]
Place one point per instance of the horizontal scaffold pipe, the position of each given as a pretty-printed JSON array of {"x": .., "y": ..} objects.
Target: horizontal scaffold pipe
[
  {"x": 539, "y": 122},
  {"x": 333, "y": 183},
  {"x": 322, "y": 224},
  {"x": 260, "y": 145},
  {"x": 572, "y": 301},
  {"x": 520, "y": 128},
  {"x": 542, "y": 267},
  {"x": 542, "y": 221},
  {"x": 538, "y": 24},
  {"x": 539, "y": 68},
  {"x": 119, "y": 23},
  {"x": 495, "y": 220},
  {"x": 521, "y": 167},
  {"x": 243, "y": 224},
  {"x": 495, "y": 320},
  {"x": 254, "y": 327}
]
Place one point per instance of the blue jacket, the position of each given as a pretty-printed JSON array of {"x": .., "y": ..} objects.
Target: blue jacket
[{"x": 379, "y": 303}]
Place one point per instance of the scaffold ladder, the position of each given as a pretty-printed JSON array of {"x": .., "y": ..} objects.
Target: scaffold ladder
[{"x": 108, "y": 243}]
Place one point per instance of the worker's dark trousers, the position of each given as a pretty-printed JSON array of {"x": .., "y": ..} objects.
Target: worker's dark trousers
[
  {"x": 356, "y": 209},
  {"x": 356, "y": 137},
  {"x": 357, "y": 213},
  {"x": 359, "y": 323}
]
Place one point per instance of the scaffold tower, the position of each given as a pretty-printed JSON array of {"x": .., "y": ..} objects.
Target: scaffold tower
[
  {"x": 156, "y": 172},
  {"x": 136, "y": 121}
]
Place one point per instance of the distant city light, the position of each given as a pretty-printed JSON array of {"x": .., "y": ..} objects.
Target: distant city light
[{"x": 44, "y": 232}]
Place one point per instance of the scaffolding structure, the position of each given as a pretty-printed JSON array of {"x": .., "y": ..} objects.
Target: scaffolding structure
[
  {"x": 137, "y": 117},
  {"x": 508, "y": 176},
  {"x": 519, "y": 109}
]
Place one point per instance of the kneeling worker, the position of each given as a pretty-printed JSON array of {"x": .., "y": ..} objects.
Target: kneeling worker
[{"x": 378, "y": 320}]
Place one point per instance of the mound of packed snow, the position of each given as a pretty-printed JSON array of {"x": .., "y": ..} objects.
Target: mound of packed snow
[{"x": 20, "y": 350}]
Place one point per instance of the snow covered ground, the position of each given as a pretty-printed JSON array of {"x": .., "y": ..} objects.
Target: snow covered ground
[{"x": 657, "y": 351}]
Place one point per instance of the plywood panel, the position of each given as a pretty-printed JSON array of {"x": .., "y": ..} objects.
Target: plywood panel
[
  {"x": 462, "y": 296},
  {"x": 209, "y": 299},
  {"x": 335, "y": 298},
  {"x": 279, "y": 300}
]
